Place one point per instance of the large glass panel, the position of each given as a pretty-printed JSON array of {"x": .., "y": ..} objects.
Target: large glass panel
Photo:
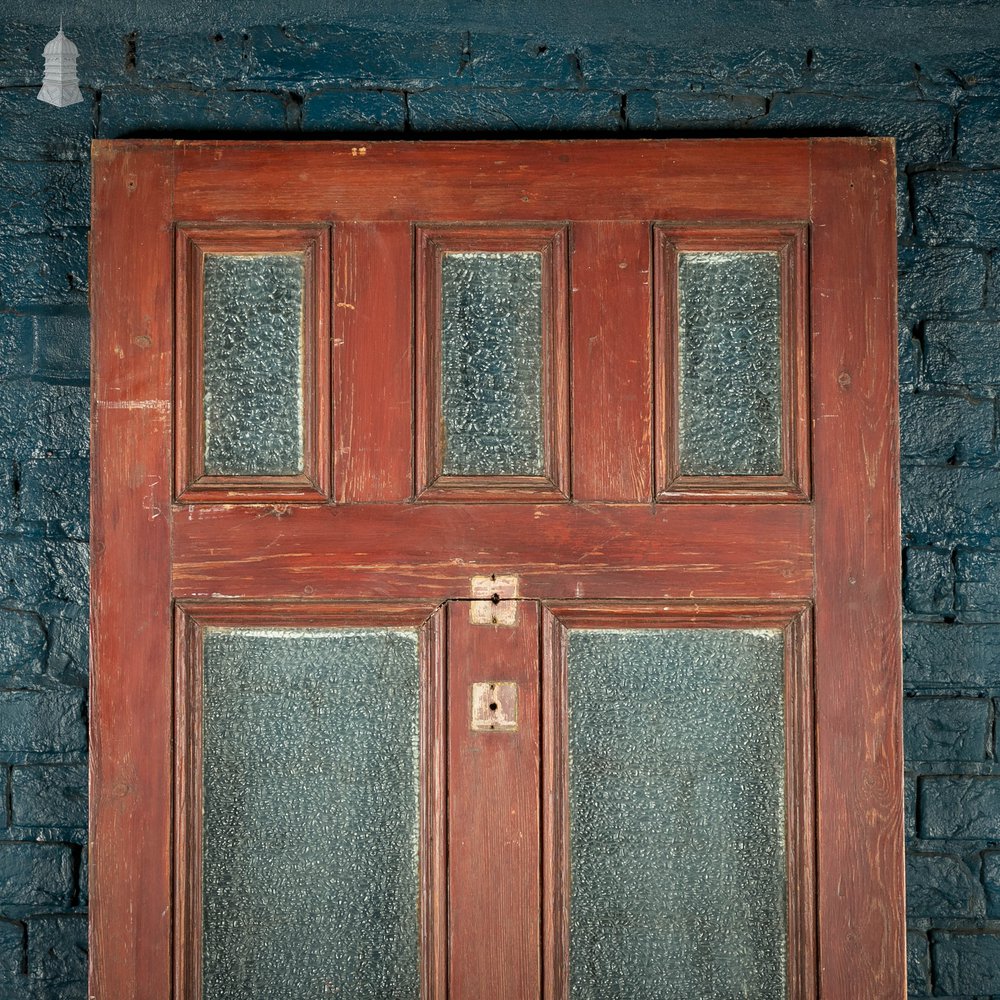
[
  {"x": 730, "y": 364},
  {"x": 491, "y": 361},
  {"x": 253, "y": 355},
  {"x": 310, "y": 830},
  {"x": 677, "y": 817}
]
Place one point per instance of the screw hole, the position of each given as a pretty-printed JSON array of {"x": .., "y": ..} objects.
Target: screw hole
[
  {"x": 495, "y": 598},
  {"x": 493, "y": 706}
]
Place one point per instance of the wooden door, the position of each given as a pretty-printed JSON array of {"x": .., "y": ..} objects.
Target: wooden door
[{"x": 496, "y": 575}]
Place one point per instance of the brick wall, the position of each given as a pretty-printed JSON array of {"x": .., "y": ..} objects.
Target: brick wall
[{"x": 944, "y": 112}]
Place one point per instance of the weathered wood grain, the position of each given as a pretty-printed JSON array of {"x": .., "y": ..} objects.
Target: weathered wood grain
[
  {"x": 493, "y": 814},
  {"x": 373, "y": 362},
  {"x": 433, "y": 550},
  {"x": 491, "y": 181},
  {"x": 130, "y": 679},
  {"x": 612, "y": 362},
  {"x": 858, "y": 661}
]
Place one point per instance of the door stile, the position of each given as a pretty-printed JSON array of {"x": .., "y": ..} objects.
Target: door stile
[
  {"x": 858, "y": 593},
  {"x": 493, "y": 810},
  {"x": 130, "y": 700}
]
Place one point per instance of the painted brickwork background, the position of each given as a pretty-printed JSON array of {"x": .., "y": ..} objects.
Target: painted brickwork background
[{"x": 297, "y": 79}]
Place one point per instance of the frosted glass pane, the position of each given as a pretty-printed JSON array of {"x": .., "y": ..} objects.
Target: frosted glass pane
[
  {"x": 491, "y": 360},
  {"x": 730, "y": 364},
  {"x": 310, "y": 830},
  {"x": 253, "y": 364},
  {"x": 677, "y": 820}
]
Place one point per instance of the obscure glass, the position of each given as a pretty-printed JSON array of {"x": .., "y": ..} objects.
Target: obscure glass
[
  {"x": 677, "y": 825},
  {"x": 730, "y": 363},
  {"x": 491, "y": 361},
  {"x": 253, "y": 364},
  {"x": 310, "y": 829}
]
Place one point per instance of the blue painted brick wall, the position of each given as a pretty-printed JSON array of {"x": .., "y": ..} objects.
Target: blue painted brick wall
[{"x": 294, "y": 78}]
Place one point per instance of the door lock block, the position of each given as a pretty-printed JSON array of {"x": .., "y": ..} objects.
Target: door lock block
[
  {"x": 494, "y": 600},
  {"x": 494, "y": 706}
]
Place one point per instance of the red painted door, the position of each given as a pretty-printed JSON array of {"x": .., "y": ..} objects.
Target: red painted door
[{"x": 496, "y": 574}]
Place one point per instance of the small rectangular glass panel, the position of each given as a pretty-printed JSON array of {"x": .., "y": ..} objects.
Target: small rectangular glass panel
[
  {"x": 253, "y": 364},
  {"x": 310, "y": 829},
  {"x": 677, "y": 814},
  {"x": 491, "y": 364},
  {"x": 729, "y": 343}
]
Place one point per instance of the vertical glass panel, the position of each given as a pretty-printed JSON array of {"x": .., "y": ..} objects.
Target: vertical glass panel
[
  {"x": 310, "y": 829},
  {"x": 253, "y": 364},
  {"x": 730, "y": 363},
  {"x": 491, "y": 360},
  {"x": 677, "y": 824}
]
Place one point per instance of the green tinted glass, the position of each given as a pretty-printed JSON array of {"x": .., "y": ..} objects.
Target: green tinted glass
[
  {"x": 310, "y": 829},
  {"x": 253, "y": 364},
  {"x": 729, "y": 363},
  {"x": 491, "y": 361},
  {"x": 677, "y": 817}
]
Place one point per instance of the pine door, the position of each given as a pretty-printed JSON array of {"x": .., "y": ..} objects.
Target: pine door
[{"x": 496, "y": 574}]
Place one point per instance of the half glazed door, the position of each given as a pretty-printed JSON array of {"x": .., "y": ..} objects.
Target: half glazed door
[{"x": 495, "y": 586}]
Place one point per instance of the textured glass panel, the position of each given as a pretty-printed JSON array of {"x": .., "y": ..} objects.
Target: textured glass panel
[
  {"x": 310, "y": 771},
  {"x": 491, "y": 360},
  {"x": 253, "y": 364},
  {"x": 677, "y": 826},
  {"x": 730, "y": 366}
]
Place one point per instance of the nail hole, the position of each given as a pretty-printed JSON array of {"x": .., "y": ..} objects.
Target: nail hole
[
  {"x": 493, "y": 706},
  {"x": 495, "y": 598}
]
